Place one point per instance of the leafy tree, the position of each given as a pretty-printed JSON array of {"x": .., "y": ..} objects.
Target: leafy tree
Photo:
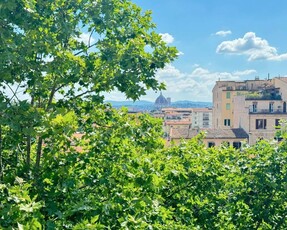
[
  {"x": 51, "y": 82},
  {"x": 118, "y": 175},
  {"x": 44, "y": 57}
]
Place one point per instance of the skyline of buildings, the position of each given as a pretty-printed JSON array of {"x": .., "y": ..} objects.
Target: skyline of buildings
[{"x": 242, "y": 111}]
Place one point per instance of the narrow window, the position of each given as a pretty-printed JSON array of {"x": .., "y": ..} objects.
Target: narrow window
[
  {"x": 271, "y": 107},
  {"x": 227, "y": 95},
  {"x": 226, "y": 122},
  {"x": 261, "y": 123},
  {"x": 277, "y": 123},
  {"x": 237, "y": 145},
  {"x": 254, "y": 107},
  {"x": 227, "y": 106}
]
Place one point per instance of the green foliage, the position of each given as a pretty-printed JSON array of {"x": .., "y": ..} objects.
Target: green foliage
[
  {"x": 124, "y": 178},
  {"x": 118, "y": 174},
  {"x": 45, "y": 59},
  {"x": 18, "y": 209}
]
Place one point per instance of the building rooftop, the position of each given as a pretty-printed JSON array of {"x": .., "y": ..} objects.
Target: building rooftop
[
  {"x": 282, "y": 79},
  {"x": 226, "y": 133},
  {"x": 202, "y": 109},
  {"x": 186, "y": 133},
  {"x": 180, "y": 122},
  {"x": 177, "y": 109}
]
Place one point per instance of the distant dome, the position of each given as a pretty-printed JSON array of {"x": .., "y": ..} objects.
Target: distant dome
[{"x": 161, "y": 101}]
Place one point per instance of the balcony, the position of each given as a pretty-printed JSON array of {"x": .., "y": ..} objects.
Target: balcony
[
  {"x": 266, "y": 111},
  {"x": 264, "y": 95}
]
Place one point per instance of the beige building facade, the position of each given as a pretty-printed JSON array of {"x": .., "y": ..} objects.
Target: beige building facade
[{"x": 256, "y": 106}]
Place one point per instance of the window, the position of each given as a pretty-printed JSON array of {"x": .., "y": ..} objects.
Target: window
[
  {"x": 237, "y": 145},
  {"x": 271, "y": 107},
  {"x": 211, "y": 144},
  {"x": 254, "y": 107},
  {"x": 277, "y": 123},
  {"x": 261, "y": 123},
  {"x": 226, "y": 122},
  {"x": 227, "y": 106},
  {"x": 205, "y": 116},
  {"x": 227, "y": 95}
]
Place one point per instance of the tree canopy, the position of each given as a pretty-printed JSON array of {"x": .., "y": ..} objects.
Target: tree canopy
[
  {"x": 118, "y": 174},
  {"x": 56, "y": 55}
]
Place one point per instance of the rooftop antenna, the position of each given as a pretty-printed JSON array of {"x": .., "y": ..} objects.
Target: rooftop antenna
[{"x": 268, "y": 76}]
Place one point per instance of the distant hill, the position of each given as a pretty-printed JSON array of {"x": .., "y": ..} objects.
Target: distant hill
[{"x": 148, "y": 105}]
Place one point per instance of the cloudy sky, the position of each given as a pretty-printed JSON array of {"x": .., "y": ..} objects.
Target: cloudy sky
[{"x": 222, "y": 39}]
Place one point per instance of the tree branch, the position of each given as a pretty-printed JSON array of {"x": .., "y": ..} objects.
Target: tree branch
[{"x": 82, "y": 51}]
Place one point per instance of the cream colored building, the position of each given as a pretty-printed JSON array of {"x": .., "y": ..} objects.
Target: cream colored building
[
  {"x": 253, "y": 105},
  {"x": 198, "y": 117},
  {"x": 186, "y": 118},
  {"x": 201, "y": 118}
]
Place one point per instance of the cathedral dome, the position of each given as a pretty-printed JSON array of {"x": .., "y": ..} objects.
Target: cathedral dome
[{"x": 161, "y": 101}]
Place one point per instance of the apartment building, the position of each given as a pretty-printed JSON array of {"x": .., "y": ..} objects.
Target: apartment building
[
  {"x": 201, "y": 118},
  {"x": 176, "y": 118},
  {"x": 253, "y": 105},
  {"x": 179, "y": 120},
  {"x": 197, "y": 117}
]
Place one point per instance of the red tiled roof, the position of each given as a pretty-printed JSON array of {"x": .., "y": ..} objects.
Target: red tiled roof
[
  {"x": 178, "y": 133},
  {"x": 226, "y": 133},
  {"x": 177, "y": 122}
]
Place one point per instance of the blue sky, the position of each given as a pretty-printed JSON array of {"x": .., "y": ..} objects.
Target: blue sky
[{"x": 218, "y": 39}]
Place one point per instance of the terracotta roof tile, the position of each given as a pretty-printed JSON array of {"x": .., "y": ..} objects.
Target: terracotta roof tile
[
  {"x": 226, "y": 133},
  {"x": 178, "y": 133},
  {"x": 177, "y": 122}
]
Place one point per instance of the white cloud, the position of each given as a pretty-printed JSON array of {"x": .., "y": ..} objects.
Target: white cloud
[
  {"x": 255, "y": 48},
  {"x": 85, "y": 38},
  {"x": 223, "y": 33},
  {"x": 195, "y": 86},
  {"x": 169, "y": 71},
  {"x": 245, "y": 72},
  {"x": 198, "y": 84},
  {"x": 167, "y": 38}
]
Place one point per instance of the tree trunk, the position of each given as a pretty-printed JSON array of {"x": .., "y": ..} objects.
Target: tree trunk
[
  {"x": 38, "y": 153},
  {"x": 28, "y": 152}
]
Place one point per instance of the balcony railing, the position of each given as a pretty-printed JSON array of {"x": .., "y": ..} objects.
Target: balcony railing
[
  {"x": 266, "y": 111},
  {"x": 263, "y": 97}
]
